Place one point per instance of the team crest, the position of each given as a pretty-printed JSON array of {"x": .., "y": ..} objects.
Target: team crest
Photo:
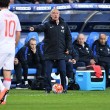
[
  {"x": 62, "y": 27},
  {"x": 101, "y": 49}
]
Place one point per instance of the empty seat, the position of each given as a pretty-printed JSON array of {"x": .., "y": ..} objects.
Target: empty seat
[
  {"x": 74, "y": 36},
  {"x": 32, "y": 70},
  {"x": 18, "y": 47},
  {"x": 91, "y": 38},
  {"x": 108, "y": 41},
  {"x": 32, "y": 35}
]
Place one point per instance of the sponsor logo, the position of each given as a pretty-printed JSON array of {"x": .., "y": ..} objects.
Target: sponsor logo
[
  {"x": 51, "y": 26},
  {"x": 101, "y": 49},
  {"x": 73, "y": 27},
  {"x": 102, "y": 27},
  {"x": 62, "y": 31},
  {"x": 84, "y": 6},
  {"x": 62, "y": 27},
  {"x": 43, "y": 8},
  {"x": 64, "y": 7},
  {"x": 23, "y": 8},
  {"x": 104, "y": 6}
]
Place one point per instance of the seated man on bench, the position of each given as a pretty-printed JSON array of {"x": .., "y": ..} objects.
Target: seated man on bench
[
  {"x": 85, "y": 53},
  {"x": 29, "y": 58},
  {"x": 102, "y": 52}
]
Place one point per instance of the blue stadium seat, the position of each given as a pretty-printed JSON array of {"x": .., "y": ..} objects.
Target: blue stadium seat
[
  {"x": 32, "y": 71},
  {"x": 18, "y": 47},
  {"x": 91, "y": 38},
  {"x": 54, "y": 70},
  {"x": 108, "y": 41},
  {"x": 32, "y": 35},
  {"x": 74, "y": 36}
]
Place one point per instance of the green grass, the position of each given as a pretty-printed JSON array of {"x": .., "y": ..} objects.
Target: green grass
[{"x": 73, "y": 100}]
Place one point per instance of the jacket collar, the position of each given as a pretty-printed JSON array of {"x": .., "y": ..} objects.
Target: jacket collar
[
  {"x": 76, "y": 43},
  {"x": 61, "y": 20},
  {"x": 101, "y": 44}
]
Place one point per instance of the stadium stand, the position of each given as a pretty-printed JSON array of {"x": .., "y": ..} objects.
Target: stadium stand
[{"x": 60, "y": 1}]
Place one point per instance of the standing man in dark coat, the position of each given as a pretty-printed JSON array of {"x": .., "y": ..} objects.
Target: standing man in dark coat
[{"x": 57, "y": 42}]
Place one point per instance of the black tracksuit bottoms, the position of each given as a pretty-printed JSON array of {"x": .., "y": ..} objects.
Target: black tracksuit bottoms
[{"x": 61, "y": 64}]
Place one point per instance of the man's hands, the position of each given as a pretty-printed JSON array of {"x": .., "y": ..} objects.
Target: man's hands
[
  {"x": 92, "y": 62},
  {"x": 72, "y": 61},
  {"x": 16, "y": 61},
  {"x": 67, "y": 52},
  {"x": 34, "y": 50}
]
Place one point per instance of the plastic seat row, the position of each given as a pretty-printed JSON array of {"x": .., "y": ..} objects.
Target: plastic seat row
[{"x": 90, "y": 39}]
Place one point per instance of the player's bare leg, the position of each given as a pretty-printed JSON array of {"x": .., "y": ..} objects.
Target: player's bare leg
[
  {"x": 1, "y": 86},
  {"x": 6, "y": 82},
  {"x": 3, "y": 91}
]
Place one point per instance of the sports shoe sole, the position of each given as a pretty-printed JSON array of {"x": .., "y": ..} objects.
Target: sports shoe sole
[{"x": 3, "y": 94}]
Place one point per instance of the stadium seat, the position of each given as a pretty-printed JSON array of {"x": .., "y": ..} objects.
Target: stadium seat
[
  {"x": 108, "y": 41},
  {"x": 32, "y": 71},
  {"x": 32, "y": 35},
  {"x": 74, "y": 36},
  {"x": 18, "y": 47},
  {"x": 91, "y": 38},
  {"x": 54, "y": 70}
]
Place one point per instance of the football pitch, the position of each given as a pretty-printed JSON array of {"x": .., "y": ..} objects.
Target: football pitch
[{"x": 73, "y": 100}]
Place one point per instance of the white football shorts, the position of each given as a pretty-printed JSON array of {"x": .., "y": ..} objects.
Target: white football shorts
[{"x": 7, "y": 61}]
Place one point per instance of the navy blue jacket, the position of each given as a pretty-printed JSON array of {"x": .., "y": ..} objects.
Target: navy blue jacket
[
  {"x": 72, "y": 55},
  {"x": 40, "y": 48},
  {"x": 85, "y": 53},
  {"x": 102, "y": 52},
  {"x": 27, "y": 57},
  {"x": 57, "y": 39}
]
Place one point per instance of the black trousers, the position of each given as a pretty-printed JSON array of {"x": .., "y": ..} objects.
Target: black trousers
[
  {"x": 25, "y": 70},
  {"x": 107, "y": 69},
  {"x": 61, "y": 64},
  {"x": 70, "y": 66},
  {"x": 79, "y": 64},
  {"x": 69, "y": 70},
  {"x": 43, "y": 67},
  {"x": 18, "y": 73}
]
